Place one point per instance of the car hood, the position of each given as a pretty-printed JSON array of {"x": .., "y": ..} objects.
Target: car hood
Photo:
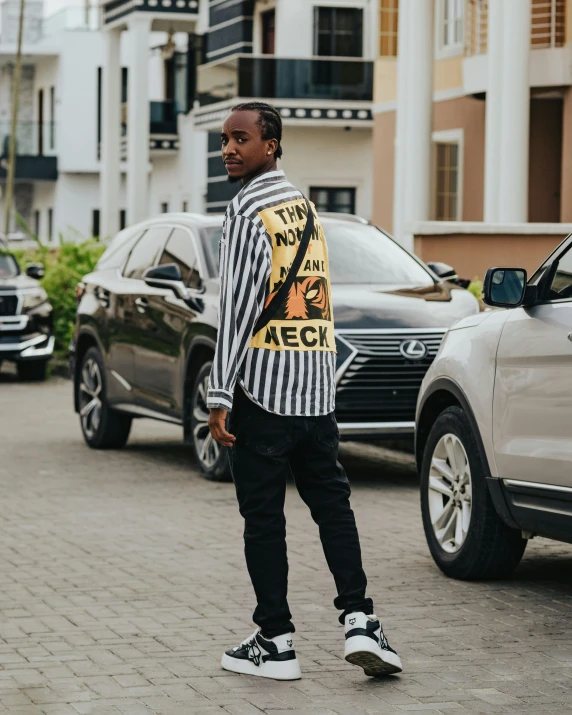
[
  {"x": 21, "y": 281},
  {"x": 438, "y": 306}
]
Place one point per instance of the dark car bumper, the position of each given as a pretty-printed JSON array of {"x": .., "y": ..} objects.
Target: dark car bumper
[{"x": 20, "y": 344}]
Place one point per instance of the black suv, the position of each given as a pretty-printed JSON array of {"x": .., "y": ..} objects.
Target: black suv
[
  {"x": 26, "y": 336},
  {"x": 147, "y": 322}
]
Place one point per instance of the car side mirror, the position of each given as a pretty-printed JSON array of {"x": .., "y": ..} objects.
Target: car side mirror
[
  {"x": 170, "y": 276},
  {"x": 444, "y": 271},
  {"x": 505, "y": 287},
  {"x": 36, "y": 271}
]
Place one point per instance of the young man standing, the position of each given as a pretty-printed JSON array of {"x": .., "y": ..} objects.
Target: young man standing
[{"x": 278, "y": 383}]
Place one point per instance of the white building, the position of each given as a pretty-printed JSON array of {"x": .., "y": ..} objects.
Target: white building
[{"x": 175, "y": 67}]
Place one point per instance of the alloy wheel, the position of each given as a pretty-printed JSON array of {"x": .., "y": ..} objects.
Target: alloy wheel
[
  {"x": 206, "y": 447},
  {"x": 450, "y": 493},
  {"x": 90, "y": 406}
]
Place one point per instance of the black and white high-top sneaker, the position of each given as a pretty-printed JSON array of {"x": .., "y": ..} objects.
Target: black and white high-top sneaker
[
  {"x": 367, "y": 646},
  {"x": 270, "y": 658}
]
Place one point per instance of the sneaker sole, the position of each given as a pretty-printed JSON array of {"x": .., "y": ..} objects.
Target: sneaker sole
[
  {"x": 283, "y": 670},
  {"x": 375, "y": 662}
]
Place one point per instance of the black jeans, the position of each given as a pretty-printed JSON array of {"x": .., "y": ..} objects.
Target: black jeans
[{"x": 267, "y": 447}]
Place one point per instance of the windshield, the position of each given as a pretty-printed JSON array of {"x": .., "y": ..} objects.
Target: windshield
[
  {"x": 358, "y": 254},
  {"x": 8, "y": 266}
]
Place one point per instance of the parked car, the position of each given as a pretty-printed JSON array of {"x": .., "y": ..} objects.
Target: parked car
[
  {"x": 494, "y": 435},
  {"x": 147, "y": 321},
  {"x": 26, "y": 336}
]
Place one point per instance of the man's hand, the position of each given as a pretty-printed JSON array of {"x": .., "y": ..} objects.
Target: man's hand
[{"x": 217, "y": 426}]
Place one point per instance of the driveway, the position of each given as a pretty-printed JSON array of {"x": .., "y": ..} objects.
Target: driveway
[{"x": 122, "y": 581}]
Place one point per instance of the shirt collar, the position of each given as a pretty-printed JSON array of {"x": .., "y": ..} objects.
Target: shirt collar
[{"x": 279, "y": 174}]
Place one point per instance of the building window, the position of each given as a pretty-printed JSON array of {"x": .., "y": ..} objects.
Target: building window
[
  {"x": 338, "y": 32},
  {"x": 164, "y": 208},
  {"x": 37, "y": 224},
  {"x": 95, "y": 223},
  {"x": 122, "y": 219},
  {"x": 52, "y": 117},
  {"x": 451, "y": 26},
  {"x": 388, "y": 27},
  {"x": 268, "y": 22},
  {"x": 334, "y": 200},
  {"x": 185, "y": 207},
  {"x": 448, "y": 173},
  {"x": 548, "y": 24}
]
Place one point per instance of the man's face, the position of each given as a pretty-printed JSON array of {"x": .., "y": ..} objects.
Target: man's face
[{"x": 244, "y": 152}]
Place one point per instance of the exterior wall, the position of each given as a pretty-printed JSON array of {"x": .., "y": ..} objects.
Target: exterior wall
[
  {"x": 464, "y": 113},
  {"x": 330, "y": 157},
  {"x": 545, "y": 160},
  {"x": 473, "y": 254},
  {"x": 566, "y": 186}
]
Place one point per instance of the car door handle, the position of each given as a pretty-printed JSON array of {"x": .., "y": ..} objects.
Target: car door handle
[{"x": 142, "y": 304}]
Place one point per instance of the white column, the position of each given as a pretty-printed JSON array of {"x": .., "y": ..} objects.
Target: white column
[
  {"x": 414, "y": 116},
  {"x": 110, "y": 135},
  {"x": 138, "y": 118},
  {"x": 401, "y": 120},
  {"x": 493, "y": 111},
  {"x": 515, "y": 112}
]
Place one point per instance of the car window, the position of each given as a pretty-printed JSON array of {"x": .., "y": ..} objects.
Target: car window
[
  {"x": 211, "y": 241},
  {"x": 561, "y": 285},
  {"x": 8, "y": 266},
  {"x": 118, "y": 250},
  {"x": 180, "y": 249},
  {"x": 146, "y": 251}
]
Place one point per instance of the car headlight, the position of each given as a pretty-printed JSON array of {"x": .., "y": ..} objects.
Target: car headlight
[{"x": 34, "y": 298}]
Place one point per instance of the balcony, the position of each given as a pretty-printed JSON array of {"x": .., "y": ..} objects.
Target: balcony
[
  {"x": 183, "y": 13},
  {"x": 547, "y": 25},
  {"x": 273, "y": 78},
  {"x": 163, "y": 128},
  {"x": 35, "y": 151}
]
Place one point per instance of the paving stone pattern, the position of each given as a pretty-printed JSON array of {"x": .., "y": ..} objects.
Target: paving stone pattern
[{"x": 122, "y": 580}]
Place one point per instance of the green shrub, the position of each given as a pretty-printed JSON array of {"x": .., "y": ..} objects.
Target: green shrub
[
  {"x": 65, "y": 267},
  {"x": 476, "y": 288}
]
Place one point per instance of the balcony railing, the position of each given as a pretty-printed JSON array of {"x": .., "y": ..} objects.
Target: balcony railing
[
  {"x": 35, "y": 151},
  {"x": 547, "y": 25},
  {"x": 278, "y": 78},
  {"x": 32, "y": 138}
]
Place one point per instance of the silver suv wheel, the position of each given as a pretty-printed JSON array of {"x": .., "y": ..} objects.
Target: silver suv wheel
[
  {"x": 89, "y": 398},
  {"x": 206, "y": 448},
  {"x": 450, "y": 493}
]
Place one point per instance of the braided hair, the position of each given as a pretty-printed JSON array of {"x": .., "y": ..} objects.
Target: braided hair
[{"x": 269, "y": 121}]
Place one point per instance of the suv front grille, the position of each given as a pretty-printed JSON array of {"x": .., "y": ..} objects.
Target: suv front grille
[
  {"x": 380, "y": 384},
  {"x": 8, "y": 304}
]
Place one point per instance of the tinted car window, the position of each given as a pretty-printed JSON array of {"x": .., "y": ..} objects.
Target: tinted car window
[
  {"x": 357, "y": 254},
  {"x": 561, "y": 286},
  {"x": 180, "y": 249},
  {"x": 118, "y": 250},
  {"x": 211, "y": 240},
  {"x": 146, "y": 251},
  {"x": 8, "y": 266}
]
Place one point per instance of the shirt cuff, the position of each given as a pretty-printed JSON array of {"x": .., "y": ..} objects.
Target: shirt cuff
[{"x": 221, "y": 399}]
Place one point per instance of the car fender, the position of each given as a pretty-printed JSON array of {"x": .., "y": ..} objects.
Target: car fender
[{"x": 467, "y": 360}]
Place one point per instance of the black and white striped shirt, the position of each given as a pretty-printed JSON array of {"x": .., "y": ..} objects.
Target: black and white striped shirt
[{"x": 288, "y": 367}]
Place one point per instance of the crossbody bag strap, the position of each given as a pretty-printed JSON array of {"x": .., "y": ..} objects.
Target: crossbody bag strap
[{"x": 282, "y": 294}]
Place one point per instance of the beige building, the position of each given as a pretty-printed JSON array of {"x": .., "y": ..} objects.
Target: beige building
[{"x": 473, "y": 113}]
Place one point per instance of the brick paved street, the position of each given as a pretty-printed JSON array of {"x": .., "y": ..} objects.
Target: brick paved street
[{"x": 122, "y": 580}]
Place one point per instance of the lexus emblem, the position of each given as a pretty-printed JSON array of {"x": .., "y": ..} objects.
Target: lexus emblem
[{"x": 413, "y": 349}]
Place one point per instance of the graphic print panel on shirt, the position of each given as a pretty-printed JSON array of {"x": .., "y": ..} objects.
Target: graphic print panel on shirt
[{"x": 304, "y": 321}]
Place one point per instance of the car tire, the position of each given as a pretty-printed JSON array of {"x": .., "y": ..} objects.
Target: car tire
[
  {"x": 101, "y": 426},
  {"x": 211, "y": 457},
  {"x": 32, "y": 371},
  {"x": 466, "y": 537}
]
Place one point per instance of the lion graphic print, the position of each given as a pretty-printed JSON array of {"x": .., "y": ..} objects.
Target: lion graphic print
[{"x": 305, "y": 321}]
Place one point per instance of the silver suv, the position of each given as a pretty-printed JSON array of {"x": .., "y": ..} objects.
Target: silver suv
[{"x": 494, "y": 424}]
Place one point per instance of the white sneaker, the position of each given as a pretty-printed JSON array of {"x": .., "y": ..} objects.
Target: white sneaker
[
  {"x": 273, "y": 658},
  {"x": 367, "y": 646}
]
